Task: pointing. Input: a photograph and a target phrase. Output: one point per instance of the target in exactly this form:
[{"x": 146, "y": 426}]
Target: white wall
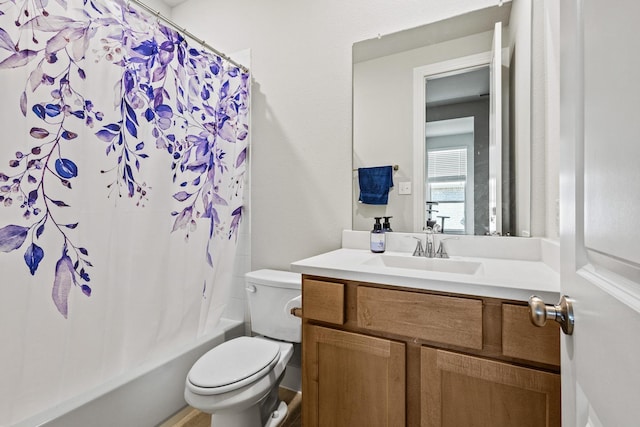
[
  {"x": 528, "y": 183},
  {"x": 545, "y": 113},
  {"x": 301, "y": 66},
  {"x": 552, "y": 119}
]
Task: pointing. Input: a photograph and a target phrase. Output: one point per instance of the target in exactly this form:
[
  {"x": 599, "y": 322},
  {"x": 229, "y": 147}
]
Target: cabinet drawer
[
  {"x": 436, "y": 318},
  {"x": 323, "y": 301},
  {"x": 522, "y": 340}
]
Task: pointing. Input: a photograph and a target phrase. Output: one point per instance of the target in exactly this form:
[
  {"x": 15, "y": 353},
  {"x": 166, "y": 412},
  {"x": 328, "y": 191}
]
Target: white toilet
[{"x": 237, "y": 381}]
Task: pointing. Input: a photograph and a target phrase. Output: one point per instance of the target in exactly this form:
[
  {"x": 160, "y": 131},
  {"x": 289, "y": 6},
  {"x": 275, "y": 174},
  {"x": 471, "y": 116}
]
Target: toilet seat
[{"x": 232, "y": 365}]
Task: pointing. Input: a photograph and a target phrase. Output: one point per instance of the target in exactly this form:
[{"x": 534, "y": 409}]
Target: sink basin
[{"x": 443, "y": 265}]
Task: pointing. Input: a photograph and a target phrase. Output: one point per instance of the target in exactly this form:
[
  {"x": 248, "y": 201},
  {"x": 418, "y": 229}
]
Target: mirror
[{"x": 425, "y": 96}]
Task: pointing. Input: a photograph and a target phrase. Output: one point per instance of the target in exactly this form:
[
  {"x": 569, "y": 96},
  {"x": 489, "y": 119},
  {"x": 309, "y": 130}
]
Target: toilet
[{"x": 237, "y": 381}]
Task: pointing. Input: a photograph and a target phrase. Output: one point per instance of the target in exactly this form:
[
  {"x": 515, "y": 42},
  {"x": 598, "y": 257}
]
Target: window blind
[{"x": 447, "y": 163}]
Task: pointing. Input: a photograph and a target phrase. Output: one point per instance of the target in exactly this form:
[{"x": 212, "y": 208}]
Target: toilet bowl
[{"x": 237, "y": 381}]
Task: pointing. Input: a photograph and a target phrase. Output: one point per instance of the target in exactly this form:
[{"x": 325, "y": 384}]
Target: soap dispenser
[
  {"x": 378, "y": 238},
  {"x": 386, "y": 225}
]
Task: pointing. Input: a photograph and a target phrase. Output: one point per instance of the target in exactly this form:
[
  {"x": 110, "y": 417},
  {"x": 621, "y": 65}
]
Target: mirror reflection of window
[{"x": 446, "y": 184}]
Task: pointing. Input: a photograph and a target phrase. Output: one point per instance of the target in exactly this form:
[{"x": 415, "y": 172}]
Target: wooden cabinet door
[
  {"x": 351, "y": 379},
  {"x": 461, "y": 390}
]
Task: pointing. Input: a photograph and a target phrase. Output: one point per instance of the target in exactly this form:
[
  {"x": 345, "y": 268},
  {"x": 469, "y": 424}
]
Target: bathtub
[{"x": 145, "y": 397}]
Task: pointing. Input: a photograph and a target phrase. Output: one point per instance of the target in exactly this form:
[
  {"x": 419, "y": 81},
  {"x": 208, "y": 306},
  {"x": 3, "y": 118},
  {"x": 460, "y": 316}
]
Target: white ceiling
[
  {"x": 460, "y": 126},
  {"x": 466, "y": 86}
]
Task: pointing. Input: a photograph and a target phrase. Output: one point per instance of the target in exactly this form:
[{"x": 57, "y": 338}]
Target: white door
[
  {"x": 495, "y": 133},
  {"x": 600, "y": 210}
]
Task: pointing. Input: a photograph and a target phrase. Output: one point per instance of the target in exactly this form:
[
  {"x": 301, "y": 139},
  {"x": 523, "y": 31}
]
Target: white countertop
[{"x": 506, "y": 278}]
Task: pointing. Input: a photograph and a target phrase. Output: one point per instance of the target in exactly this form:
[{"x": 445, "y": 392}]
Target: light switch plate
[{"x": 404, "y": 187}]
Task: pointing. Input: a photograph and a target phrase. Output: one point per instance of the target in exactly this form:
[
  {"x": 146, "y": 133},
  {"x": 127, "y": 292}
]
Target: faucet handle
[
  {"x": 441, "y": 252},
  {"x": 419, "y": 250}
]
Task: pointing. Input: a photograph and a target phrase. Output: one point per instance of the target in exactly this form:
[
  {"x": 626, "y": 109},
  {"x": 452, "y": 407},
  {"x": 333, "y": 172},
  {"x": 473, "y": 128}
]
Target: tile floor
[{"x": 190, "y": 417}]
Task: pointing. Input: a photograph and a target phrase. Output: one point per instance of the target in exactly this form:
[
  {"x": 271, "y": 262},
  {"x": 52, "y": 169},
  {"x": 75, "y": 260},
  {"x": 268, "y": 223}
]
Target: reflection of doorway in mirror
[
  {"x": 450, "y": 173},
  {"x": 457, "y": 116}
]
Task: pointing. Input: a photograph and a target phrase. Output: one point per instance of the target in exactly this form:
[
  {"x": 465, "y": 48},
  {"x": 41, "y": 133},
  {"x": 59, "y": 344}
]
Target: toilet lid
[{"x": 234, "y": 363}]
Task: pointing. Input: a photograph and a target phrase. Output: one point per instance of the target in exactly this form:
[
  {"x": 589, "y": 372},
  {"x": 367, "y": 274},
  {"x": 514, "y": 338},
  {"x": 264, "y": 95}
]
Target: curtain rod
[{"x": 184, "y": 31}]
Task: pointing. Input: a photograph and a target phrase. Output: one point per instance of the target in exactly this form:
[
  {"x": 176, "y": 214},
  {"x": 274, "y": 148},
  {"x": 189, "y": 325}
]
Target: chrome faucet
[
  {"x": 430, "y": 246},
  {"x": 428, "y": 250}
]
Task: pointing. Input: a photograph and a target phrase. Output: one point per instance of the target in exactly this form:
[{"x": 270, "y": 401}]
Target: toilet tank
[{"x": 270, "y": 294}]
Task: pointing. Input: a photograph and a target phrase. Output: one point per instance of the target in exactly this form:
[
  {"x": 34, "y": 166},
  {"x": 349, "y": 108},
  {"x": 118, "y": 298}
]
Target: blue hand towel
[{"x": 375, "y": 184}]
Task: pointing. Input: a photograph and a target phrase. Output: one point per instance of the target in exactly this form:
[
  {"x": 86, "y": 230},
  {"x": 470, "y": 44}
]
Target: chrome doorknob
[{"x": 539, "y": 312}]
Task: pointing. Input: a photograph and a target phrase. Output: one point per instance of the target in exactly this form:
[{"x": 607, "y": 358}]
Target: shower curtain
[{"x": 122, "y": 166}]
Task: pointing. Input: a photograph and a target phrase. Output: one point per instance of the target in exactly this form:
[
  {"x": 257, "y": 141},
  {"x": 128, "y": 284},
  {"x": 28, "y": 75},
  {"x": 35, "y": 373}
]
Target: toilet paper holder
[{"x": 293, "y": 307}]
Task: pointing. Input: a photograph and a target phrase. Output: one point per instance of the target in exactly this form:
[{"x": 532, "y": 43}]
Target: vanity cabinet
[
  {"x": 379, "y": 355},
  {"x": 353, "y": 379}
]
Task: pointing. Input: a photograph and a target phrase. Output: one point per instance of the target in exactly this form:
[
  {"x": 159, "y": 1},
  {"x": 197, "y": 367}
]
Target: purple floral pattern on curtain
[{"x": 172, "y": 99}]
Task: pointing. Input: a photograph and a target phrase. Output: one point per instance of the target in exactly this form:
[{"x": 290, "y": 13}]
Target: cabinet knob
[{"x": 539, "y": 312}]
